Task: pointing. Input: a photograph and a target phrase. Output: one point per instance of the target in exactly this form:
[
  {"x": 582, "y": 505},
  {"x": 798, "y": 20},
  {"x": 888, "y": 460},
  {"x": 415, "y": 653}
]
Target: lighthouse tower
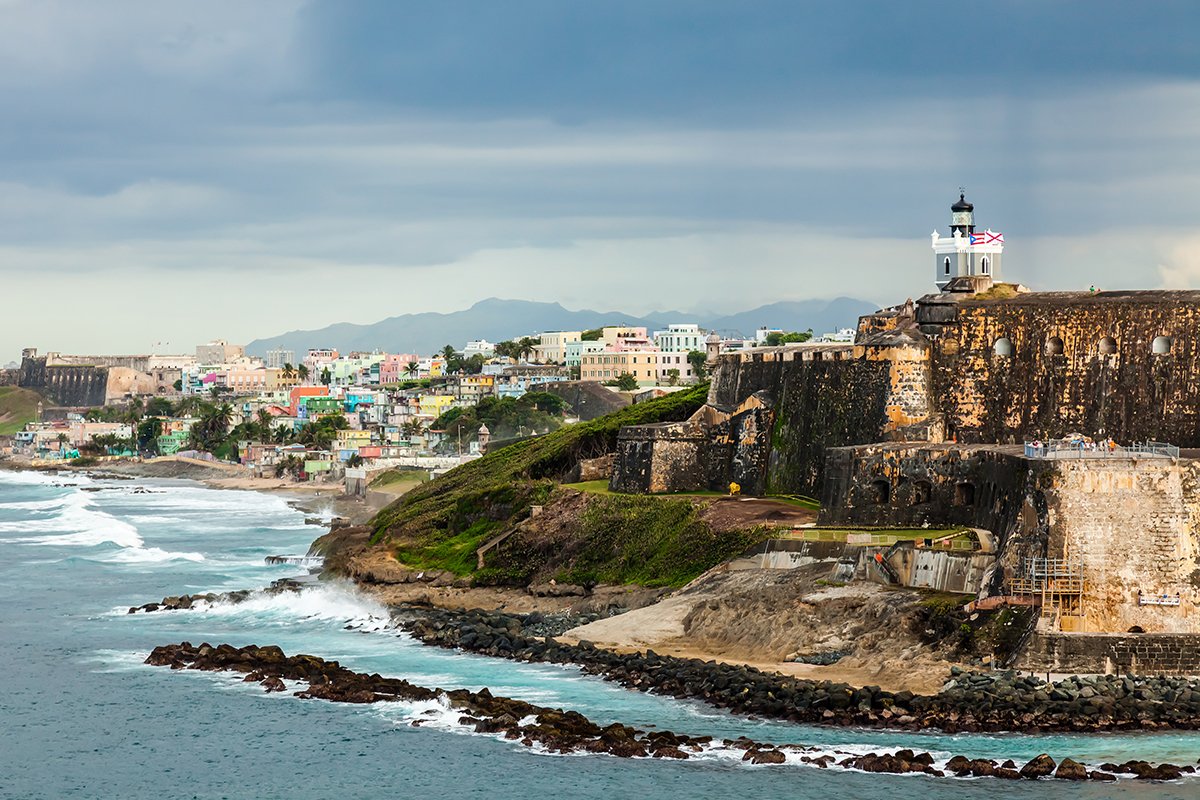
[{"x": 966, "y": 252}]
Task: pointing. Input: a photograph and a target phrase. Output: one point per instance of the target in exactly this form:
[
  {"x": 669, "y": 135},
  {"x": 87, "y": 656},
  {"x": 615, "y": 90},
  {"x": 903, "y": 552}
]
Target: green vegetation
[
  {"x": 591, "y": 336},
  {"x": 455, "y": 362},
  {"x": 439, "y": 522},
  {"x": 17, "y": 408},
  {"x": 506, "y": 417},
  {"x": 698, "y": 361},
  {"x": 648, "y": 540},
  {"x": 393, "y": 479},
  {"x": 517, "y": 349},
  {"x": 942, "y": 618},
  {"x": 625, "y": 382},
  {"x": 652, "y": 541},
  {"x": 414, "y": 383},
  {"x": 791, "y": 337}
]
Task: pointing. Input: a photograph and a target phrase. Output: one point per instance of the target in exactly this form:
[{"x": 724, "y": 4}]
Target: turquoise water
[{"x": 81, "y": 716}]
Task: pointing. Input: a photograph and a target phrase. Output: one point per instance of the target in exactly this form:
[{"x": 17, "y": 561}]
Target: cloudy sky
[{"x": 172, "y": 172}]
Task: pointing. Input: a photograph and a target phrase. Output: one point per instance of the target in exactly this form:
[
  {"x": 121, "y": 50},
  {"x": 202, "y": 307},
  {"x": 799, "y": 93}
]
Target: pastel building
[
  {"x": 551, "y": 347},
  {"x": 434, "y": 405},
  {"x": 610, "y": 364},
  {"x": 394, "y": 367},
  {"x": 680, "y": 338},
  {"x": 300, "y": 394},
  {"x": 574, "y": 351}
]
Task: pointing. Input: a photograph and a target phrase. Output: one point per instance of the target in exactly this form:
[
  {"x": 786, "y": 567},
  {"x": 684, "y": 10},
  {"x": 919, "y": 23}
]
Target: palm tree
[
  {"x": 264, "y": 425},
  {"x": 288, "y": 372},
  {"x": 302, "y": 371},
  {"x": 448, "y": 352},
  {"x": 412, "y": 369},
  {"x": 526, "y": 346}
]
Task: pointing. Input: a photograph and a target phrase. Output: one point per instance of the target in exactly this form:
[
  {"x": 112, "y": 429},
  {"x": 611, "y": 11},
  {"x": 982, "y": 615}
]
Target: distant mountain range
[{"x": 497, "y": 320}]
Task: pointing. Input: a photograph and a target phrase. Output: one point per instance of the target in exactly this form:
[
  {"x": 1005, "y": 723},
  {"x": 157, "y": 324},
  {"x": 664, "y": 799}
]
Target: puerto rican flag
[{"x": 987, "y": 237}]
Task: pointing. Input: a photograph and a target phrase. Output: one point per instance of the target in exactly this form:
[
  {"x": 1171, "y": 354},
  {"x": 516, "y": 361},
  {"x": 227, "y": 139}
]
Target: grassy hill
[
  {"x": 440, "y": 524},
  {"x": 17, "y": 407}
]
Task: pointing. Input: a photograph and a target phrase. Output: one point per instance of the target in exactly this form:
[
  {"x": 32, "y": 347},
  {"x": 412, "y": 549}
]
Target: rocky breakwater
[
  {"x": 969, "y": 702},
  {"x": 559, "y": 731},
  {"x": 186, "y": 602}
]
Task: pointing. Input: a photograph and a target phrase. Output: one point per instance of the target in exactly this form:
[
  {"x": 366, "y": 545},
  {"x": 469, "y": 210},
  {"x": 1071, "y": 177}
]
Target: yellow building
[
  {"x": 609, "y": 365},
  {"x": 434, "y": 405},
  {"x": 552, "y": 345}
]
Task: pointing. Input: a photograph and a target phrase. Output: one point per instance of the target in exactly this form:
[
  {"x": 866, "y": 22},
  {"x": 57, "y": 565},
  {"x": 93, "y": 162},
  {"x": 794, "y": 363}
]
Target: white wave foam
[
  {"x": 336, "y": 603},
  {"x": 37, "y": 478},
  {"x": 36, "y": 505},
  {"x": 84, "y": 526},
  {"x": 149, "y": 555}
]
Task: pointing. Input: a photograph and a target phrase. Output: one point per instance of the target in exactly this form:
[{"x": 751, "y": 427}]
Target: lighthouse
[{"x": 966, "y": 253}]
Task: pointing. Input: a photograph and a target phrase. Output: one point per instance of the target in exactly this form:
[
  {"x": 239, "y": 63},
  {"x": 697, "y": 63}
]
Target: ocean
[{"x": 82, "y": 717}]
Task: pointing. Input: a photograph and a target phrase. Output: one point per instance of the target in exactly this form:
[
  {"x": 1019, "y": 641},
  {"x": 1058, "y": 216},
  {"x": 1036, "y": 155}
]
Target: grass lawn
[
  {"x": 601, "y": 487},
  {"x": 17, "y": 407},
  {"x": 399, "y": 480}
]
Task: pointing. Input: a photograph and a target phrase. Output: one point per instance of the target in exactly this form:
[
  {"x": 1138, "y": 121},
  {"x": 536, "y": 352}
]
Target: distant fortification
[{"x": 79, "y": 381}]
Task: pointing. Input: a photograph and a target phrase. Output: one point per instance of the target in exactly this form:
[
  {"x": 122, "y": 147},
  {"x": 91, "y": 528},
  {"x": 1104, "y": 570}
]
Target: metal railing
[{"x": 1086, "y": 448}]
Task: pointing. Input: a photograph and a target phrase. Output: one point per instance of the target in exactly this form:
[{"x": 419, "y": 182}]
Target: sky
[{"x": 174, "y": 172}]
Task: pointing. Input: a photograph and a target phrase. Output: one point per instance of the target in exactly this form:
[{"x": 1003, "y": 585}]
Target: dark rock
[
  {"x": 1039, "y": 767},
  {"x": 1071, "y": 770}
]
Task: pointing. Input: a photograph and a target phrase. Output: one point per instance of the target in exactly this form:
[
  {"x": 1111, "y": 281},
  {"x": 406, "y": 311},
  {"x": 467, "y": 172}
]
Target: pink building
[{"x": 394, "y": 368}]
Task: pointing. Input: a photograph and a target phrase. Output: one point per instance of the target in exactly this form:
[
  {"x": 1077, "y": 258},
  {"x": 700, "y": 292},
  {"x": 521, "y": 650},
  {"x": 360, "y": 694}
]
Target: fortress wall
[
  {"x": 914, "y": 485},
  {"x": 124, "y": 381},
  {"x": 1133, "y": 654},
  {"x": 139, "y": 363},
  {"x": 1131, "y": 394},
  {"x": 661, "y": 457},
  {"x": 65, "y": 385},
  {"x": 771, "y": 414},
  {"x": 1136, "y": 526}
]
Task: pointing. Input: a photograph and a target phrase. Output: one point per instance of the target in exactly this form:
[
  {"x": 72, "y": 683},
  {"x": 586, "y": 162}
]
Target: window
[
  {"x": 983, "y": 265},
  {"x": 1161, "y": 345},
  {"x": 1003, "y": 346},
  {"x": 881, "y": 491},
  {"x": 964, "y": 494},
  {"x": 922, "y": 492},
  {"x": 1107, "y": 346},
  {"x": 946, "y": 265}
]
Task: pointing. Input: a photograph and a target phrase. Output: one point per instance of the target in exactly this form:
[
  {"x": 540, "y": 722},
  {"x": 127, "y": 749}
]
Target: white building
[
  {"x": 760, "y": 335},
  {"x": 841, "y": 335},
  {"x": 479, "y": 347},
  {"x": 966, "y": 253},
  {"x": 278, "y": 356},
  {"x": 680, "y": 338},
  {"x": 219, "y": 351}
]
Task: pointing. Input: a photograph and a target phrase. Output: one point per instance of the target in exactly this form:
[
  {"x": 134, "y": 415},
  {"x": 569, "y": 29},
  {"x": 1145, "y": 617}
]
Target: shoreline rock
[
  {"x": 969, "y": 702},
  {"x": 560, "y": 731}
]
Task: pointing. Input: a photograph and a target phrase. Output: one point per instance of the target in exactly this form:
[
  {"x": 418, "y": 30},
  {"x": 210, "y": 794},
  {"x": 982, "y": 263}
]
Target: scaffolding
[{"x": 1056, "y": 582}]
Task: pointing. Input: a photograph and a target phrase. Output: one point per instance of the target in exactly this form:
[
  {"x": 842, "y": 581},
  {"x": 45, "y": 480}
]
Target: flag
[{"x": 987, "y": 237}]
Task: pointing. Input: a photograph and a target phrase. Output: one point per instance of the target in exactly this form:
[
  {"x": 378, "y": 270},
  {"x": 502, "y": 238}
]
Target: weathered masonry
[{"x": 922, "y": 421}]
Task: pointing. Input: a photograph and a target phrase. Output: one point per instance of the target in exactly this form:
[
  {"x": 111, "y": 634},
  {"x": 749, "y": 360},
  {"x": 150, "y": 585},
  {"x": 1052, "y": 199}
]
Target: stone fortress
[{"x": 931, "y": 419}]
